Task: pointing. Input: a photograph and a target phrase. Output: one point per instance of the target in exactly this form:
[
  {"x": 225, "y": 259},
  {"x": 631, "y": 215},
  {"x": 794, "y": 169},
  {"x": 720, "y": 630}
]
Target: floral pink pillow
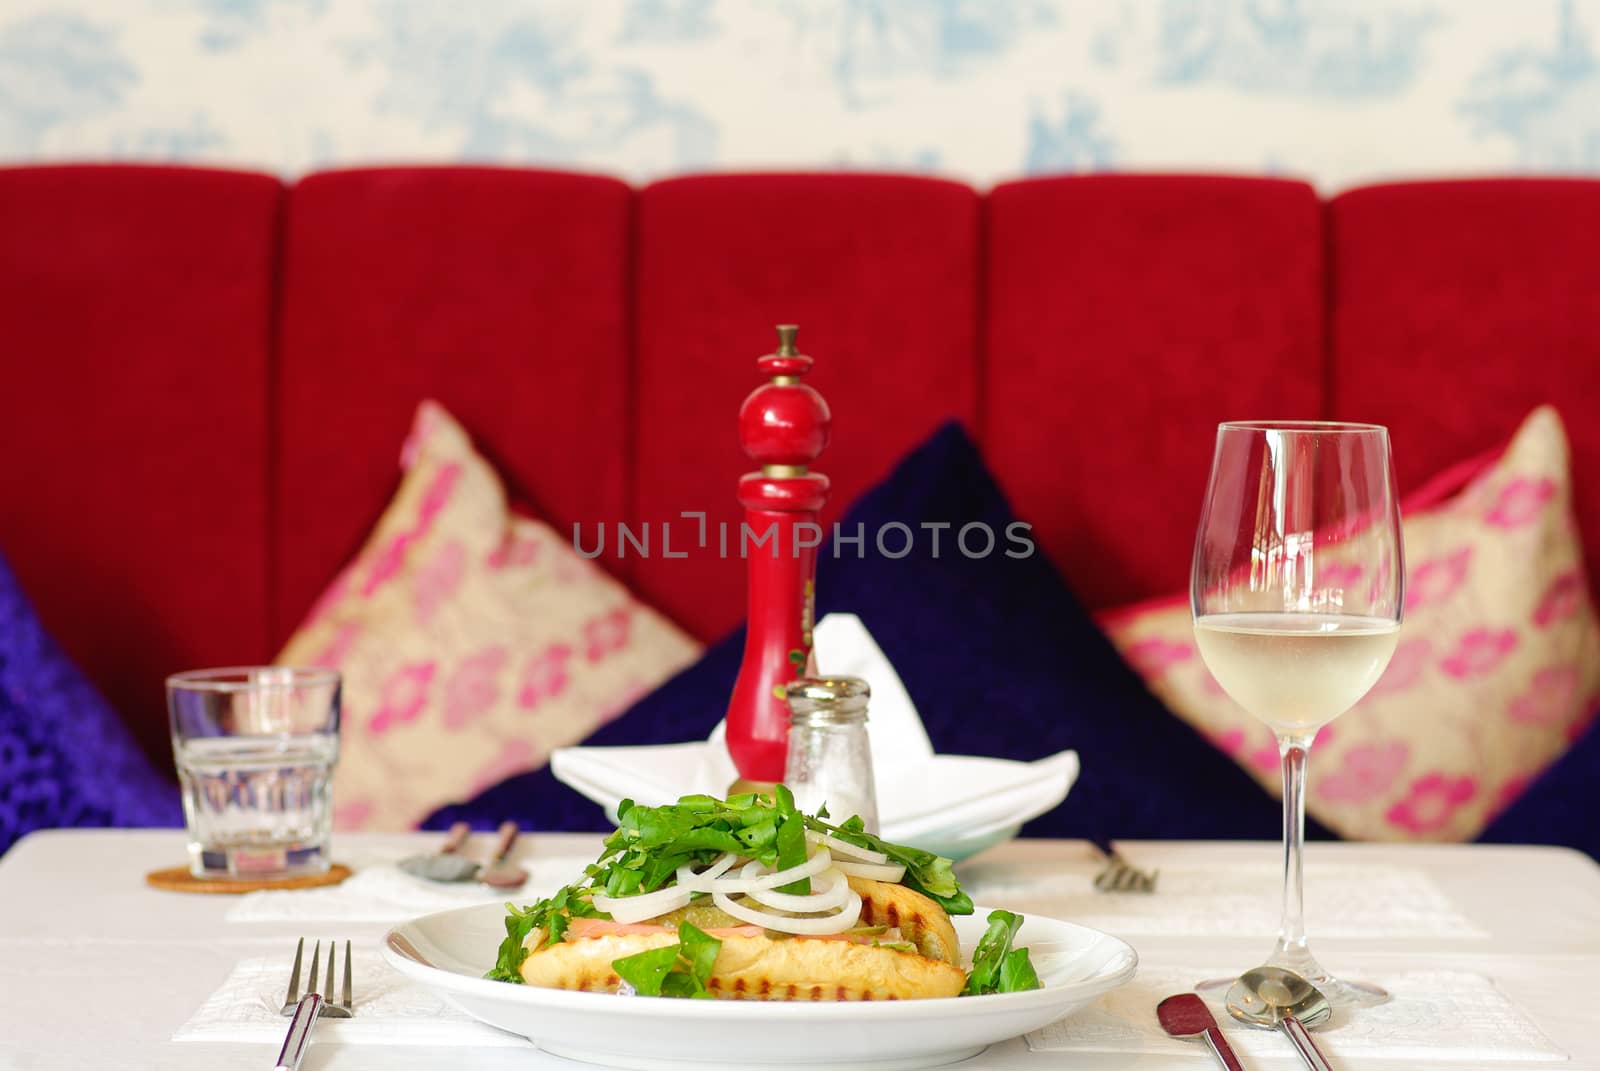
[
  {"x": 473, "y": 641},
  {"x": 1496, "y": 672}
]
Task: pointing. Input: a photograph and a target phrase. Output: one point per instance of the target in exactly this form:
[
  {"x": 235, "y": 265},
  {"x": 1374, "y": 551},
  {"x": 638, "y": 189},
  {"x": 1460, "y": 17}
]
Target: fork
[
  {"x": 1119, "y": 875},
  {"x": 313, "y": 1005}
]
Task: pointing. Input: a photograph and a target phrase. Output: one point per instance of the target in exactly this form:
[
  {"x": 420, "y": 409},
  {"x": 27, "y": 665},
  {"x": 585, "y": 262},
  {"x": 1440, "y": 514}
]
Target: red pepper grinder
[{"x": 783, "y": 426}]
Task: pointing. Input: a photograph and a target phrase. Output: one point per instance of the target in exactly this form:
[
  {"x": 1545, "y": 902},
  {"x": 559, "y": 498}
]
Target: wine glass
[{"x": 1297, "y": 591}]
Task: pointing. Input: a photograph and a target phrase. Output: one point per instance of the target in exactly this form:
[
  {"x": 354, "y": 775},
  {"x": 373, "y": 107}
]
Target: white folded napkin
[{"x": 944, "y": 800}]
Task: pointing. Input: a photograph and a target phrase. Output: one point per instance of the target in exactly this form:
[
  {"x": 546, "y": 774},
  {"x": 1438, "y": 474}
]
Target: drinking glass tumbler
[{"x": 255, "y": 748}]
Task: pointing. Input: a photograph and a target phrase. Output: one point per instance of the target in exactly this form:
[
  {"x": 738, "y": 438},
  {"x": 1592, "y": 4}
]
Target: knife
[{"x": 1186, "y": 1016}]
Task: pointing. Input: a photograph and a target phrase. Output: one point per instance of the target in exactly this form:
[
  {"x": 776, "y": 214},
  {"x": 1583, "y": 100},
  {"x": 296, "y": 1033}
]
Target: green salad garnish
[
  {"x": 550, "y": 915},
  {"x": 680, "y": 970},
  {"x": 996, "y": 966},
  {"x": 649, "y": 844}
]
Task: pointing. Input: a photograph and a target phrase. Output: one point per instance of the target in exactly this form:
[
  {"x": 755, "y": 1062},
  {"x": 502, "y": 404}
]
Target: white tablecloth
[{"x": 98, "y": 970}]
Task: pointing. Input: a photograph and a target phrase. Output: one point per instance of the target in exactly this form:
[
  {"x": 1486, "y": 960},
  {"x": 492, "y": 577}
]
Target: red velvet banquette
[{"x": 207, "y": 375}]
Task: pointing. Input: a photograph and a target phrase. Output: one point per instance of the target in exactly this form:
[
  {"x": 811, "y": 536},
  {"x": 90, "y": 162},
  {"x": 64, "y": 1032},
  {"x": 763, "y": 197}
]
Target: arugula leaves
[
  {"x": 790, "y": 840},
  {"x": 651, "y": 843},
  {"x": 1017, "y": 974},
  {"x": 996, "y": 966},
  {"x": 680, "y": 970},
  {"x": 551, "y": 915},
  {"x": 931, "y": 875}
]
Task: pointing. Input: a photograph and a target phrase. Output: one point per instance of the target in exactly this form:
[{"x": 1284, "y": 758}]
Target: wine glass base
[
  {"x": 1341, "y": 992},
  {"x": 1349, "y": 993}
]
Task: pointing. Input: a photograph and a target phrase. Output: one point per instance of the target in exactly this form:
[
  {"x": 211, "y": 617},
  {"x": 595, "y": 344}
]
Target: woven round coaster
[{"x": 178, "y": 879}]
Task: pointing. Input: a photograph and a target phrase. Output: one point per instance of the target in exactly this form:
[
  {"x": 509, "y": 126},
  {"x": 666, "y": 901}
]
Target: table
[{"x": 97, "y": 970}]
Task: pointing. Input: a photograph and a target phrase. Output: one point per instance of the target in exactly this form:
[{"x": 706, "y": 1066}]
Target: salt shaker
[{"x": 830, "y": 758}]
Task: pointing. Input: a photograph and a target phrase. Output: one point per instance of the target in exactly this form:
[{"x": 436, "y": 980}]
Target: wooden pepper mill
[{"x": 783, "y": 426}]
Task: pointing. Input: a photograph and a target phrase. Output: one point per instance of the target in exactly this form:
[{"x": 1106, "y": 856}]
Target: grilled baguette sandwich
[{"x": 916, "y": 955}]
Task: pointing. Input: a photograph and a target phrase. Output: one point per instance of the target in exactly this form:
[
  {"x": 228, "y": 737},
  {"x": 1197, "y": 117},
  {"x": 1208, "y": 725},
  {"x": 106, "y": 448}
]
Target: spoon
[
  {"x": 1274, "y": 997},
  {"x": 446, "y": 864},
  {"x": 500, "y": 873}
]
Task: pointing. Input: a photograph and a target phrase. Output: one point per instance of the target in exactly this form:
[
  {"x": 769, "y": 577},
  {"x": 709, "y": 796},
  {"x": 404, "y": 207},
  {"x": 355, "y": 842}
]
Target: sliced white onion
[
  {"x": 754, "y": 869},
  {"x": 830, "y": 890},
  {"x": 631, "y": 909},
  {"x": 784, "y": 924},
  {"x": 813, "y": 866},
  {"x": 701, "y": 882},
  {"x": 846, "y": 849},
  {"x": 891, "y": 872}
]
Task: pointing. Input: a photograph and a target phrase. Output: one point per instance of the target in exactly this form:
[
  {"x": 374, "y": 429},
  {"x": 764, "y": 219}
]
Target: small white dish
[
  {"x": 448, "y": 953},
  {"x": 980, "y": 801},
  {"x": 957, "y": 845},
  {"x": 949, "y": 792}
]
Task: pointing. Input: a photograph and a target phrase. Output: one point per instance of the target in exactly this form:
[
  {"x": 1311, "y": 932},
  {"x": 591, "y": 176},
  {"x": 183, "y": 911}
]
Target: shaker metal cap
[{"x": 828, "y": 699}]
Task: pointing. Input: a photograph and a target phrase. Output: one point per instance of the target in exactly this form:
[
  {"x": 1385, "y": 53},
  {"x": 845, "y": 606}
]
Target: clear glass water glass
[
  {"x": 255, "y": 748},
  {"x": 1297, "y": 589}
]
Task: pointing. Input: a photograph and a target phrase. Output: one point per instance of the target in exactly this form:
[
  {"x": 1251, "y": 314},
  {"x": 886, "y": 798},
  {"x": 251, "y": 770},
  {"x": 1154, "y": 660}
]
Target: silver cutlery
[
  {"x": 500, "y": 872},
  {"x": 313, "y": 1005},
  {"x": 447, "y": 864},
  {"x": 1273, "y": 997},
  {"x": 1186, "y": 1016},
  {"x": 1119, "y": 875}
]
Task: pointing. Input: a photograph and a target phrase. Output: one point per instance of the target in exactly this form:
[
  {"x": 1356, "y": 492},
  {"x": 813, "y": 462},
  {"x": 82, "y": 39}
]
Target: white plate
[{"x": 448, "y": 952}]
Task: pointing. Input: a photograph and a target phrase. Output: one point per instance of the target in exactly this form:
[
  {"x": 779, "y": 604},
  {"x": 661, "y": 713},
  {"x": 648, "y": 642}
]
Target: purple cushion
[
  {"x": 1558, "y": 808},
  {"x": 65, "y": 757}
]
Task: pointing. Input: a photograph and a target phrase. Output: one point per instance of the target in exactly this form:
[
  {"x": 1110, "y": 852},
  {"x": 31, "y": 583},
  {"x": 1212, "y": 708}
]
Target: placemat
[
  {"x": 381, "y": 892},
  {"x": 1438, "y": 1015},
  {"x": 181, "y": 879},
  {"x": 1201, "y": 900},
  {"x": 389, "y": 1010}
]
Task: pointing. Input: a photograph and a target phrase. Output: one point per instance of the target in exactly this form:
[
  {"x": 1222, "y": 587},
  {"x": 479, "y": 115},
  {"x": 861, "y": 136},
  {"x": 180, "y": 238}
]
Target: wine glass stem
[{"x": 1292, "y": 946}]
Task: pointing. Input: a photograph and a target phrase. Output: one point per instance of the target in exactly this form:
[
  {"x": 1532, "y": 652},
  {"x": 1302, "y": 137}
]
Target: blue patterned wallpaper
[{"x": 1339, "y": 91}]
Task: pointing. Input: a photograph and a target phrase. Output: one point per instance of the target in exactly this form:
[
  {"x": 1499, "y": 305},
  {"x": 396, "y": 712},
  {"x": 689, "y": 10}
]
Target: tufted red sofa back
[{"x": 207, "y": 375}]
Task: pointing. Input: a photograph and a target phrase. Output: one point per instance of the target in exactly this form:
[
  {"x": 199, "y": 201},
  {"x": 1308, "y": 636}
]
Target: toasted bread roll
[
  {"x": 585, "y": 964},
  {"x": 921, "y": 921},
  {"x": 757, "y": 968}
]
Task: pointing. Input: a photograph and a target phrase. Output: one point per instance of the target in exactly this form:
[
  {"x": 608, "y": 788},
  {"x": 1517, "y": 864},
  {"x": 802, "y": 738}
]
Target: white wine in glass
[
  {"x": 1294, "y": 671},
  {"x": 1297, "y": 590}
]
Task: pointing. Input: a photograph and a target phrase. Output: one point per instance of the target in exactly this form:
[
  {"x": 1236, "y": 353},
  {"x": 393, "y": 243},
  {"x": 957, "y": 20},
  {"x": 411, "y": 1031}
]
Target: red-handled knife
[{"x": 1186, "y": 1016}]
